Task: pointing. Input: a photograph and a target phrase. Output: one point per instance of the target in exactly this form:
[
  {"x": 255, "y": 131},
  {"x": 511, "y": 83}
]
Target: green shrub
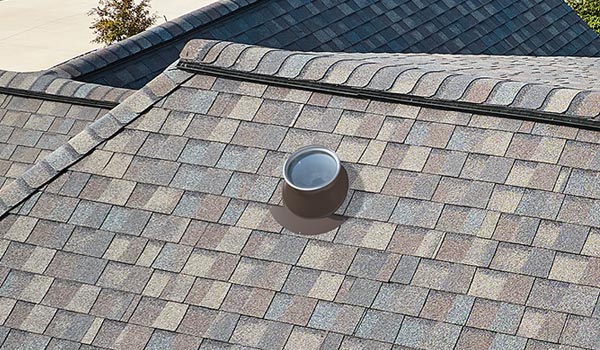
[{"x": 116, "y": 20}]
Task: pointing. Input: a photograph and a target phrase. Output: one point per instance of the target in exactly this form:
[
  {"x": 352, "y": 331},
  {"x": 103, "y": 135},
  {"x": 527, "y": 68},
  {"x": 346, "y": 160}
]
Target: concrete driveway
[{"x": 38, "y": 34}]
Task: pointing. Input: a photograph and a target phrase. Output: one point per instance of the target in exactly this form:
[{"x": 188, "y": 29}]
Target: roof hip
[{"x": 14, "y": 193}]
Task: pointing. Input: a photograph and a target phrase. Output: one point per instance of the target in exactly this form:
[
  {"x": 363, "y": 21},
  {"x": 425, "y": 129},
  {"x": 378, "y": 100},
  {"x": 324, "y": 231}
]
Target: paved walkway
[{"x": 38, "y": 34}]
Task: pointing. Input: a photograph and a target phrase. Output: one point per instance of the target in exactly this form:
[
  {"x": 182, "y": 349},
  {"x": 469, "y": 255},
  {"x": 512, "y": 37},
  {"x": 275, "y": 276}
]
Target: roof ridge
[
  {"x": 89, "y": 138},
  {"x": 49, "y": 83},
  {"x": 148, "y": 39},
  {"x": 420, "y": 77}
]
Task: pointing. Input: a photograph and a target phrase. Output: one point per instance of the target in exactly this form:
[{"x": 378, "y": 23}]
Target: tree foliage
[
  {"x": 589, "y": 11},
  {"x": 116, "y": 20}
]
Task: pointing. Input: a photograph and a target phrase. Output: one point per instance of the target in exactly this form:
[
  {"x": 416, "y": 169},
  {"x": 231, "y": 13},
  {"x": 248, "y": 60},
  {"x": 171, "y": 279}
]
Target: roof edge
[
  {"x": 391, "y": 75},
  {"x": 148, "y": 39},
  {"x": 104, "y": 128}
]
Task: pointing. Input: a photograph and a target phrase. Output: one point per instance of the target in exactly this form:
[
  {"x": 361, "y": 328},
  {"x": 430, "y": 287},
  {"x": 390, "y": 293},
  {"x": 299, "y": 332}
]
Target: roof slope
[
  {"x": 492, "y": 27},
  {"x": 465, "y": 230},
  {"x": 30, "y": 128}
]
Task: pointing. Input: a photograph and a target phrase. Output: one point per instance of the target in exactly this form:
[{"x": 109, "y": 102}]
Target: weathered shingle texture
[
  {"x": 39, "y": 113},
  {"x": 31, "y": 128},
  {"x": 491, "y": 27}
]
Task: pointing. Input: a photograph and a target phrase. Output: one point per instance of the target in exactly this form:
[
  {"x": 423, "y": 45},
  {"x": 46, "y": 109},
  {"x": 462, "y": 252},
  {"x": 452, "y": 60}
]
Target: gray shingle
[
  {"x": 89, "y": 214},
  {"x": 357, "y": 291},
  {"x": 208, "y": 323},
  {"x": 474, "y": 140},
  {"x": 399, "y": 298},
  {"x": 201, "y": 152},
  {"x": 151, "y": 170},
  {"x": 523, "y": 259},
  {"x": 463, "y": 192},
  {"x": 190, "y": 100},
  {"x": 540, "y": 204},
  {"x": 273, "y": 334},
  {"x": 76, "y": 267},
  {"x": 247, "y": 159},
  {"x": 416, "y": 332},
  {"x": 162, "y": 146},
  {"x": 17, "y": 338},
  {"x": 373, "y": 264},
  {"x": 336, "y": 317},
  {"x": 371, "y": 206},
  {"x": 165, "y": 227},
  {"x": 125, "y": 220},
  {"x": 582, "y": 331},
  {"x": 563, "y": 297},
  {"x": 69, "y": 325},
  {"x": 128, "y": 278},
  {"x": 416, "y": 213},
  {"x": 583, "y": 183},
  {"x": 312, "y": 283},
  {"x": 486, "y": 168},
  {"x": 379, "y": 325},
  {"x": 89, "y": 241},
  {"x": 202, "y": 179},
  {"x": 495, "y": 316},
  {"x": 259, "y": 135},
  {"x": 251, "y": 187}
]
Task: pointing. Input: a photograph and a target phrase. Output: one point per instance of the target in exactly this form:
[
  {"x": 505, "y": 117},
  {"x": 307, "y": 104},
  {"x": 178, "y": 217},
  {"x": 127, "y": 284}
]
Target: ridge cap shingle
[
  {"x": 405, "y": 74},
  {"x": 51, "y": 83}
]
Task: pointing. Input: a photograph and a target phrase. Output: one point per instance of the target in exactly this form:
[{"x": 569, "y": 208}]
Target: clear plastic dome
[{"x": 311, "y": 168}]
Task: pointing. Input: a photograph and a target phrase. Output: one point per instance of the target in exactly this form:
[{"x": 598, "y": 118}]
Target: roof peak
[
  {"x": 52, "y": 86},
  {"x": 149, "y": 39}
]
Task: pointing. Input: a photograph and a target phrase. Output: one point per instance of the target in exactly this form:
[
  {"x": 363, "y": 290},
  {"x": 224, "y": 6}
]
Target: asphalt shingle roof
[
  {"x": 490, "y": 27},
  {"x": 151, "y": 228},
  {"x": 31, "y": 128}
]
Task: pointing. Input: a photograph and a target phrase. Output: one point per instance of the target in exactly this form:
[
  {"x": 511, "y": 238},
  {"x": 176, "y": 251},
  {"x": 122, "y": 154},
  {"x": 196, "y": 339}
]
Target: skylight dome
[{"x": 311, "y": 168}]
